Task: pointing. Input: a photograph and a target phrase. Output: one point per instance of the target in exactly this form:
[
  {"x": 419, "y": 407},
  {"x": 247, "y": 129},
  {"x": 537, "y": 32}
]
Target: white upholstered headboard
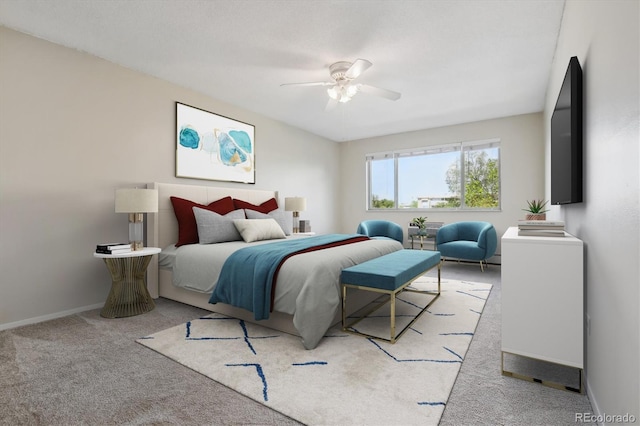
[{"x": 162, "y": 227}]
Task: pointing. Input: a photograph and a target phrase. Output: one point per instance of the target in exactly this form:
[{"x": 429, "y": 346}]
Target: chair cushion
[
  {"x": 392, "y": 270},
  {"x": 470, "y": 231},
  {"x": 462, "y": 250}
]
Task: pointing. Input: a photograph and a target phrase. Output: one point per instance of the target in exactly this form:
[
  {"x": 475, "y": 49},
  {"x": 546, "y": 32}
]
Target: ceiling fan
[{"x": 343, "y": 87}]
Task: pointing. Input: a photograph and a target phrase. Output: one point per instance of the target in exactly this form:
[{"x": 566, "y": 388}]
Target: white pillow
[
  {"x": 284, "y": 219},
  {"x": 258, "y": 229}
]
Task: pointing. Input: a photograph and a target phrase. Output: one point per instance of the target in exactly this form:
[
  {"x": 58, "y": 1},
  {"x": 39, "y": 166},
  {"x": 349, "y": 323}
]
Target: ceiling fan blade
[
  {"x": 384, "y": 93},
  {"x": 358, "y": 67},
  {"x": 330, "y": 105},
  {"x": 315, "y": 83}
]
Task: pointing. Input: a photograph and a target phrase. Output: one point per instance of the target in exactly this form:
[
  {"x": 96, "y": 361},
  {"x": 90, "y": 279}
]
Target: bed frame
[{"x": 162, "y": 231}]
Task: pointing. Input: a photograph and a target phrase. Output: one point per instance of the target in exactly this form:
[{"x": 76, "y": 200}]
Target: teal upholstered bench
[{"x": 389, "y": 274}]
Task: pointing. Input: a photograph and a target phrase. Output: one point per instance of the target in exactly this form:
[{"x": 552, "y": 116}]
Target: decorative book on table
[
  {"x": 541, "y": 228},
  {"x": 305, "y": 226},
  {"x": 113, "y": 248}
]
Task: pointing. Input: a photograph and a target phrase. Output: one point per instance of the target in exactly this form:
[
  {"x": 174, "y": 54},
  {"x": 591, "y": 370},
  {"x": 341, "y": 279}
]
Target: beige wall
[
  {"x": 73, "y": 128},
  {"x": 522, "y": 170},
  {"x": 605, "y": 36}
]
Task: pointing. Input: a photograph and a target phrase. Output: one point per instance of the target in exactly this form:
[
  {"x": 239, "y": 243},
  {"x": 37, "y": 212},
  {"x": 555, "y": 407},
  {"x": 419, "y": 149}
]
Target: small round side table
[
  {"x": 129, "y": 294},
  {"x": 429, "y": 238}
]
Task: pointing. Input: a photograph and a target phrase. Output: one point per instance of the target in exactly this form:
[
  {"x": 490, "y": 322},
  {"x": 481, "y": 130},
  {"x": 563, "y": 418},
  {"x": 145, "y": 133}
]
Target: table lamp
[
  {"x": 136, "y": 202},
  {"x": 295, "y": 205}
]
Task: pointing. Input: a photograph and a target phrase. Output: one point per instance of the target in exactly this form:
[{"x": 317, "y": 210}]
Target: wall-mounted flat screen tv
[{"x": 566, "y": 139}]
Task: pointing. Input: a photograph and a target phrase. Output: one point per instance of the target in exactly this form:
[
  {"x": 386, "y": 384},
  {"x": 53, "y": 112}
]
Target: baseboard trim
[
  {"x": 43, "y": 318},
  {"x": 592, "y": 399}
]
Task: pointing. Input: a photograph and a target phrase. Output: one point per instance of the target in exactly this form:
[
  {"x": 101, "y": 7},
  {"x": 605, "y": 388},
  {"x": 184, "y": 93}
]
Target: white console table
[{"x": 542, "y": 300}]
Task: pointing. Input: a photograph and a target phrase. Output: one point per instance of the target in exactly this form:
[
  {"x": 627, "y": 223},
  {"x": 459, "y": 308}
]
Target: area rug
[{"x": 347, "y": 379}]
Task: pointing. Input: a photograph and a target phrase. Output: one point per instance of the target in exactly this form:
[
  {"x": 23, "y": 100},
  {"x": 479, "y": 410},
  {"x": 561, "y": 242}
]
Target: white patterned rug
[{"x": 347, "y": 379}]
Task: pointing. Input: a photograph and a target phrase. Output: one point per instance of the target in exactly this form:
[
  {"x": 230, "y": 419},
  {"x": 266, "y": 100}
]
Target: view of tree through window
[
  {"x": 433, "y": 177},
  {"x": 383, "y": 186}
]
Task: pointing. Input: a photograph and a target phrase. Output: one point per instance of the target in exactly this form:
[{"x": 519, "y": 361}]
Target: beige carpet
[{"x": 347, "y": 379}]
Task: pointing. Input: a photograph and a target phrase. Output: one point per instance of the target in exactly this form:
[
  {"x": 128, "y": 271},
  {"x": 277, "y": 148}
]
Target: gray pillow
[
  {"x": 284, "y": 219},
  {"x": 215, "y": 228}
]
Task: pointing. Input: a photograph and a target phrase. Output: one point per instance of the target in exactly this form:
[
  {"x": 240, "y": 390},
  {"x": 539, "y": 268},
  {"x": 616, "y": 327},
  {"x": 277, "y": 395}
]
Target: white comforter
[{"x": 307, "y": 287}]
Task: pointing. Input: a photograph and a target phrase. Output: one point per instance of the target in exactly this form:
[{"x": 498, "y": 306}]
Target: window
[{"x": 460, "y": 176}]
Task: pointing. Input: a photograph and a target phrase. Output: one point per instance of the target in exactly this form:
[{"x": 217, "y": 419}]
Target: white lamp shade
[
  {"x": 295, "y": 204},
  {"x": 136, "y": 200}
]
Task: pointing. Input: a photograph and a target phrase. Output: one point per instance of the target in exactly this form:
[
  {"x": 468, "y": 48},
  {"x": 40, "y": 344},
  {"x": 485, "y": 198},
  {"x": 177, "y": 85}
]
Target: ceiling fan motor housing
[{"x": 339, "y": 70}]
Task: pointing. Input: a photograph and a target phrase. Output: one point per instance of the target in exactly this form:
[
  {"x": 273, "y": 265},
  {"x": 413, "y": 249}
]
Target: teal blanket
[{"x": 247, "y": 277}]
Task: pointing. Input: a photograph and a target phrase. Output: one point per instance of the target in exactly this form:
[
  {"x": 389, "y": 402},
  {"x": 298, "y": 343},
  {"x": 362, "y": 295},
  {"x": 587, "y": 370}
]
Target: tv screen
[{"x": 566, "y": 139}]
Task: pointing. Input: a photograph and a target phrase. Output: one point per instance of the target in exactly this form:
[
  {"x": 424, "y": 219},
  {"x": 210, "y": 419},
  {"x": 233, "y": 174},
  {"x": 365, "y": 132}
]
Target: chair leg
[{"x": 481, "y": 267}]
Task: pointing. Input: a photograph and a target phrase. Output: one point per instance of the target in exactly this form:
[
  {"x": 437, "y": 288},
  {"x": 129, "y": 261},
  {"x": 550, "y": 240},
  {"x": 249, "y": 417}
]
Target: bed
[{"x": 307, "y": 294}]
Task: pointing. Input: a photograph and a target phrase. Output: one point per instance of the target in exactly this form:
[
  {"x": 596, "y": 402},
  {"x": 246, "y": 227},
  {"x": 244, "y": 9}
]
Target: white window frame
[{"x": 460, "y": 147}]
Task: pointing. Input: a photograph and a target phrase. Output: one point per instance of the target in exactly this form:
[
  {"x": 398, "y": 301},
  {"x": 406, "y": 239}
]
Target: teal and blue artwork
[
  {"x": 230, "y": 152},
  {"x": 242, "y": 139},
  {"x": 209, "y": 143},
  {"x": 189, "y": 138},
  {"x": 213, "y": 147}
]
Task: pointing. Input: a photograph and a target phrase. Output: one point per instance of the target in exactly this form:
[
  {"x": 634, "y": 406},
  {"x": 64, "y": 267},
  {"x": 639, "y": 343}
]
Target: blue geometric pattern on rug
[
  {"x": 347, "y": 379},
  {"x": 245, "y": 337},
  {"x": 260, "y": 373},
  {"x": 375, "y": 342}
]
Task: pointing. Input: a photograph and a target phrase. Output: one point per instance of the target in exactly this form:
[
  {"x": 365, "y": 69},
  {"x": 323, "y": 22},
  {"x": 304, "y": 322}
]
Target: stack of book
[
  {"x": 113, "y": 248},
  {"x": 541, "y": 228},
  {"x": 305, "y": 226}
]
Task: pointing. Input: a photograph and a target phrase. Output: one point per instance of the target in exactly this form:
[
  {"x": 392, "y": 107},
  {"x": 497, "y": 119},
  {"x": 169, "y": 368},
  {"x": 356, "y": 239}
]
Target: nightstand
[
  {"x": 129, "y": 294},
  {"x": 304, "y": 233}
]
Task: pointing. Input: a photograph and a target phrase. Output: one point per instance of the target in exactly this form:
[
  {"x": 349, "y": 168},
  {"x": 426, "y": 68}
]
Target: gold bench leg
[
  {"x": 393, "y": 317},
  {"x": 392, "y": 300}
]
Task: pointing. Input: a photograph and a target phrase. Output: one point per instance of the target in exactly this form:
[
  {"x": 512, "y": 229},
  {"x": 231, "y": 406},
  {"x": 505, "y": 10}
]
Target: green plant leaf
[{"x": 536, "y": 206}]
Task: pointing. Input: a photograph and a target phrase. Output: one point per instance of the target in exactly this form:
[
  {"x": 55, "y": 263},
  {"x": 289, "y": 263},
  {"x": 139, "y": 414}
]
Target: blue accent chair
[
  {"x": 381, "y": 228},
  {"x": 472, "y": 240}
]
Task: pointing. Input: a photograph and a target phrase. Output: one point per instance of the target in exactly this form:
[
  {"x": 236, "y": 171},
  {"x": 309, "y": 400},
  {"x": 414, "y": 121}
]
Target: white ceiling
[{"x": 454, "y": 61}]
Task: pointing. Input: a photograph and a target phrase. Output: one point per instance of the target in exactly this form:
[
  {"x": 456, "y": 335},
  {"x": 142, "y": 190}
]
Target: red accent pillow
[
  {"x": 187, "y": 228},
  {"x": 266, "y": 207}
]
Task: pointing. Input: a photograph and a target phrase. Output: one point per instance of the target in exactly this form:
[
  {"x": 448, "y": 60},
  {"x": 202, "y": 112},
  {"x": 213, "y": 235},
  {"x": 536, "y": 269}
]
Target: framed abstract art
[{"x": 213, "y": 147}]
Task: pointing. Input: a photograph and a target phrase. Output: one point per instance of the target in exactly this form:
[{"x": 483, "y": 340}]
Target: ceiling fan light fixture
[
  {"x": 344, "y": 98},
  {"x": 342, "y": 94},
  {"x": 333, "y": 93}
]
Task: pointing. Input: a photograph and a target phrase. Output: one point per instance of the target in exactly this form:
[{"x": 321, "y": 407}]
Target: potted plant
[
  {"x": 536, "y": 210},
  {"x": 421, "y": 223}
]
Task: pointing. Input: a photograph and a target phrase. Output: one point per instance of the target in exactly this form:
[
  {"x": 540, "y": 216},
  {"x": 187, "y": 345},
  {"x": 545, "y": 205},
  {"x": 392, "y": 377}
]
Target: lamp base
[
  {"x": 296, "y": 222},
  {"x": 136, "y": 230}
]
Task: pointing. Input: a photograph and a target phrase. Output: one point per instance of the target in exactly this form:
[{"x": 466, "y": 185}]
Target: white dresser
[{"x": 543, "y": 298}]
